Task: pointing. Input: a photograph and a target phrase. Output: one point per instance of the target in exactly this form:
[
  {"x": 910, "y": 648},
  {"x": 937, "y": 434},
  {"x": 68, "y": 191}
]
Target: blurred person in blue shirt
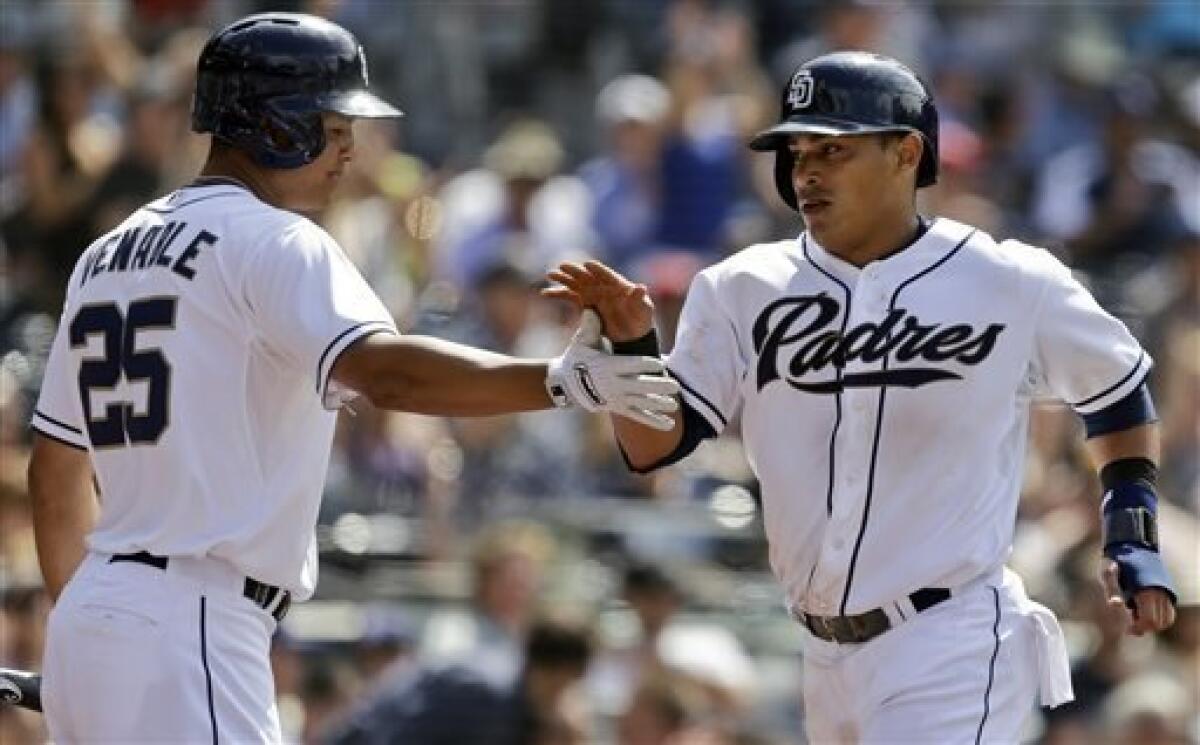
[
  {"x": 625, "y": 181},
  {"x": 519, "y": 201},
  {"x": 456, "y": 705}
]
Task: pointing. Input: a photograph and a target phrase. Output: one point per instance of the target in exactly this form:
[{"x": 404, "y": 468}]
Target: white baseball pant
[
  {"x": 967, "y": 670},
  {"x": 137, "y": 654}
]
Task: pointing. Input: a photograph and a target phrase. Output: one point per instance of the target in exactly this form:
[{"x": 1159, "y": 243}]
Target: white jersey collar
[
  {"x": 942, "y": 237},
  {"x": 203, "y": 181}
]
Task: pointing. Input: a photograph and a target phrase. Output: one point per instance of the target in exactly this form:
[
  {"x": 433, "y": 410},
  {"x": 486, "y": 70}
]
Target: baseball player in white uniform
[
  {"x": 204, "y": 347},
  {"x": 883, "y": 366}
]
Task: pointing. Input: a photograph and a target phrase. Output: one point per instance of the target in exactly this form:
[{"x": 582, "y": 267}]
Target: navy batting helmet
[
  {"x": 262, "y": 83},
  {"x": 851, "y": 93}
]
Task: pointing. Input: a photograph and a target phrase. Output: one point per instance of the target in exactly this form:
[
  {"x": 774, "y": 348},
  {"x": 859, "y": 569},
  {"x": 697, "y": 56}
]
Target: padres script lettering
[{"x": 803, "y": 324}]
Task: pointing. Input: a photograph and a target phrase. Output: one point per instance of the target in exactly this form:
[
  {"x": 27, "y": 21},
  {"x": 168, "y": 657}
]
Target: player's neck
[
  {"x": 889, "y": 237},
  {"x": 227, "y": 165}
]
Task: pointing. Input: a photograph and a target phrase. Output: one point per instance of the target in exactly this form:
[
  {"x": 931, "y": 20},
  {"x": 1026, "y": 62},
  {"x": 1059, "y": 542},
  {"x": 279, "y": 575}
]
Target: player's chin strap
[{"x": 1130, "y": 526}]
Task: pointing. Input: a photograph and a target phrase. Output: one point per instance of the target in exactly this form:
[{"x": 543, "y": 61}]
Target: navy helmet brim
[
  {"x": 358, "y": 104},
  {"x": 776, "y": 137}
]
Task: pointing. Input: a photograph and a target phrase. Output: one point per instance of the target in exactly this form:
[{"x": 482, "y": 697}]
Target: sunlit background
[{"x": 539, "y": 130}]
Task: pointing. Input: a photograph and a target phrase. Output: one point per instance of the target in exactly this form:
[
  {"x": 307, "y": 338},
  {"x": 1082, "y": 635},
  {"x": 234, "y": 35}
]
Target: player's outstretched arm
[
  {"x": 65, "y": 508},
  {"x": 1133, "y": 574},
  {"x": 628, "y": 315},
  {"x": 431, "y": 376}
]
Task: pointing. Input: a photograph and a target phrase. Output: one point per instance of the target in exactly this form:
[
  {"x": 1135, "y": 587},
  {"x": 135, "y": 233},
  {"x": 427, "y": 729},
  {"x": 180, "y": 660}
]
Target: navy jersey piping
[
  {"x": 1136, "y": 366},
  {"x": 56, "y": 438},
  {"x": 181, "y": 205},
  {"x": 862, "y": 528},
  {"x": 212, "y": 712},
  {"x": 987, "y": 693},
  {"x": 64, "y": 425},
  {"x": 699, "y": 396},
  {"x": 840, "y": 367},
  {"x": 367, "y": 328}
]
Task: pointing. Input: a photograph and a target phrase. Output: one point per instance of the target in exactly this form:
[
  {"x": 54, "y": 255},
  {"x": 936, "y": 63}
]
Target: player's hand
[
  {"x": 1152, "y": 608},
  {"x": 624, "y": 306},
  {"x": 596, "y": 380}
]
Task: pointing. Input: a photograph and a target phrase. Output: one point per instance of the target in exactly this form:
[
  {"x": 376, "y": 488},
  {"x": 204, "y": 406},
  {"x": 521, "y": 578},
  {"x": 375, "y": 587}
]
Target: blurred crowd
[{"x": 506, "y": 579}]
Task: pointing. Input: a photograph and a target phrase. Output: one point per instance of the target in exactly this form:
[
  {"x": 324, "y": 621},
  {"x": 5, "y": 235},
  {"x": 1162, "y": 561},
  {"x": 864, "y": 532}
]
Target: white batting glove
[{"x": 588, "y": 376}]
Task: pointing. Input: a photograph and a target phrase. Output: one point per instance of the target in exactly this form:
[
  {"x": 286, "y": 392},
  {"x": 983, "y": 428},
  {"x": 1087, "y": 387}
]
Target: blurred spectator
[
  {"x": 504, "y": 456},
  {"x": 1149, "y": 710},
  {"x": 890, "y": 28},
  {"x": 456, "y": 705},
  {"x": 716, "y": 90},
  {"x": 507, "y": 568},
  {"x": 155, "y": 120},
  {"x": 385, "y": 218},
  {"x": 387, "y": 643},
  {"x": 668, "y": 277},
  {"x": 625, "y": 182},
  {"x": 518, "y": 207},
  {"x": 1159, "y": 28},
  {"x": 704, "y": 656},
  {"x": 658, "y": 713},
  {"x": 70, "y": 149},
  {"x": 1174, "y": 335},
  {"x": 18, "y": 110},
  {"x": 1121, "y": 200},
  {"x": 287, "y": 670}
]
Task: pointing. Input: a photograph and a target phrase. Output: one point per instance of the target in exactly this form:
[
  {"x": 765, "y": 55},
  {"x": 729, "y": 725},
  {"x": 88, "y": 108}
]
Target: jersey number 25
[{"x": 120, "y": 424}]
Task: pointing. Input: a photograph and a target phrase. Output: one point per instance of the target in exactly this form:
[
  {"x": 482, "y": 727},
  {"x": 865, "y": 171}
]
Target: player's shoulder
[
  {"x": 228, "y": 206},
  {"x": 1005, "y": 254},
  {"x": 256, "y": 226},
  {"x": 757, "y": 260},
  {"x": 1030, "y": 260}
]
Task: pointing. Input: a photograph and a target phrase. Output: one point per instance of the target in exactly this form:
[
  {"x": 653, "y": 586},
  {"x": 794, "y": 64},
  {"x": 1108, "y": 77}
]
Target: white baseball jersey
[
  {"x": 192, "y": 360},
  {"x": 885, "y": 409}
]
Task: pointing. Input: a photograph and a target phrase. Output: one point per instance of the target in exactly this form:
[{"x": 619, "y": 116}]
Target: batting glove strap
[
  {"x": 643, "y": 346},
  {"x": 1139, "y": 568},
  {"x": 1129, "y": 523},
  {"x": 1128, "y": 512}
]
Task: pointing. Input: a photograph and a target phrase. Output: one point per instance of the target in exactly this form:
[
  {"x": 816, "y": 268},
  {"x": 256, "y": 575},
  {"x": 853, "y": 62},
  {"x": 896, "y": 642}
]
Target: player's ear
[{"x": 908, "y": 151}]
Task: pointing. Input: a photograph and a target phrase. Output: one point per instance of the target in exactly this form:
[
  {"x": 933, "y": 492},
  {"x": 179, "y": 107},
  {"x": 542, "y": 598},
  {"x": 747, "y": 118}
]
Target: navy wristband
[
  {"x": 643, "y": 346},
  {"x": 1128, "y": 469}
]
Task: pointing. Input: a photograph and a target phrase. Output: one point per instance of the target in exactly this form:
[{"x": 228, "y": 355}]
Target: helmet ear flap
[
  {"x": 785, "y": 160},
  {"x": 927, "y": 168}
]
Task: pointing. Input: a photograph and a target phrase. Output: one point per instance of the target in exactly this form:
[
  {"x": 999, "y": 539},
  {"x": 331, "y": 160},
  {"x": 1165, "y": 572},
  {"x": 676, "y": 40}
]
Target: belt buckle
[
  {"x": 824, "y": 627},
  {"x": 845, "y": 631},
  {"x": 857, "y": 628}
]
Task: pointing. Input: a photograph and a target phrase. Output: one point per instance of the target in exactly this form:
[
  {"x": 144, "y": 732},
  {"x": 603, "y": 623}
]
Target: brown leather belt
[
  {"x": 866, "y": 626},
  {"x": 259, "y": 593}
]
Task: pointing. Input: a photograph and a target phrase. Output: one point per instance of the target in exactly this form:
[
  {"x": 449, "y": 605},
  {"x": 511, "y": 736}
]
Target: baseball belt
[
  {"x": 866, "y": 626},
  {"x": 259, "y": 593}
]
